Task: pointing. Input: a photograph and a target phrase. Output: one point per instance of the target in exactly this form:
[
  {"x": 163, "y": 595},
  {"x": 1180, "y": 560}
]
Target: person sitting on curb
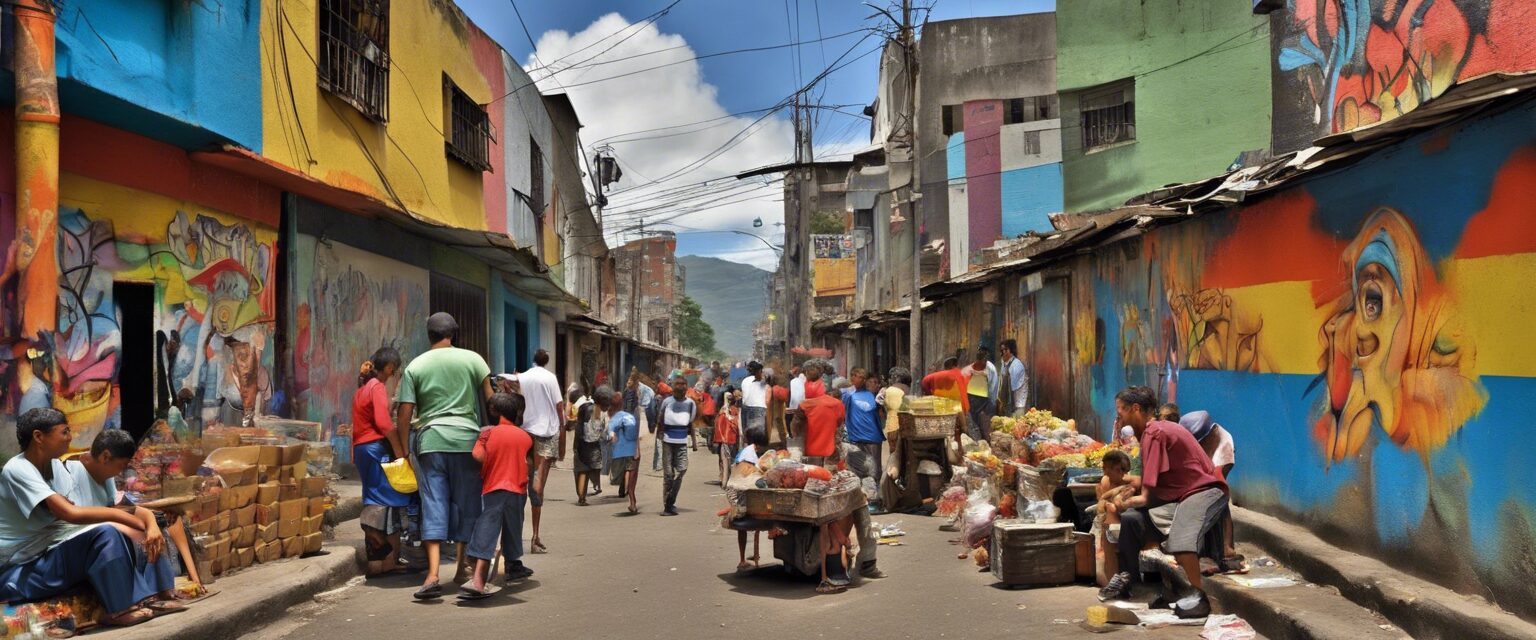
[
  {"x": 1177, "y": 475},
  {"x": 48, "y": 544}
]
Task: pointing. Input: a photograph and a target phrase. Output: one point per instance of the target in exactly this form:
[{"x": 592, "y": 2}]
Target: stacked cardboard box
[{"x": 267, "y": 508}]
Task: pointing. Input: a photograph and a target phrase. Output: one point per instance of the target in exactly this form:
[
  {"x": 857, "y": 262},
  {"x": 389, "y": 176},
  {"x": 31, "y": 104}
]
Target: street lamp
[{"x": 776, "y": 248}]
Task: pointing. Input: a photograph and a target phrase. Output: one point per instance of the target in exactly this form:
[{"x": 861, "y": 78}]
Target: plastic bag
[
  {"x": 1227, "y": 627},
  {"x": 400, "y": 475},
  {"x": 979, "y": 515},
  {"x": 1041, "y": 511}
]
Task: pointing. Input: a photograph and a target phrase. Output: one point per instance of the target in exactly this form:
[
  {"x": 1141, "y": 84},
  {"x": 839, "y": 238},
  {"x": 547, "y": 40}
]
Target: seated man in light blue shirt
[{"x": 42, "y": 551}]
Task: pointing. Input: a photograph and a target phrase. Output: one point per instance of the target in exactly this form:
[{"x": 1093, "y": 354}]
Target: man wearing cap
[
  {"x": 441, "y": 393},
  {"x": 1218, "y": 444}
]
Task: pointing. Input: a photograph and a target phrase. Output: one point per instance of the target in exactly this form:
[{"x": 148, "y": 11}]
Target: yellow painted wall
[{"x": 306, "y": 128}]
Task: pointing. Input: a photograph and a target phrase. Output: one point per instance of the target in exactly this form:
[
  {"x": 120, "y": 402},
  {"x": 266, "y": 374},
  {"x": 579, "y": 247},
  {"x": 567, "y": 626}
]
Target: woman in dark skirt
[
  {"x": 375, "y": 442},
  {"x": 589, "y": 428}
]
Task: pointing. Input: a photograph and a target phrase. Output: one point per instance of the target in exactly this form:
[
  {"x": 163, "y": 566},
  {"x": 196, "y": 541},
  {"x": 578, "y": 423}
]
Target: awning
[{"x": 865, "y": 185}]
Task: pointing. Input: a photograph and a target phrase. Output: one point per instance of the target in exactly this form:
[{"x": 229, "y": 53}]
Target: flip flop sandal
[
  {"x": 829, "y": 588},
  {"x": 430, "y": 592},
  {"x": 131, "y": 618},
  {"x": 471, "y": 593},
  {"x": 538, "y": 549}
]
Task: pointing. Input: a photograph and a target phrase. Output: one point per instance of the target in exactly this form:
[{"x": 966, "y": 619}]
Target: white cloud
[{"x": 666, "y": 97}]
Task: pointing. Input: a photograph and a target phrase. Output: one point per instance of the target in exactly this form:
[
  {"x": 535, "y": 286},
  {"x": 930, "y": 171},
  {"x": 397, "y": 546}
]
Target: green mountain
[{"x": 732, "y": 296}]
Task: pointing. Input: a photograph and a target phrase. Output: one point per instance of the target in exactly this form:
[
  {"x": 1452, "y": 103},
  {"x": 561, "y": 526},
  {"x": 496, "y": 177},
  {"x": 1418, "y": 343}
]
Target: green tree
[
  {"x": 693, "y": 333},
  {"x": 826, "y": 222}
]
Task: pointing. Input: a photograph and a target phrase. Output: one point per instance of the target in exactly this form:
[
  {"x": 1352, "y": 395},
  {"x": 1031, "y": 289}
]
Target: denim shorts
[{"x": 450, "y": 496}]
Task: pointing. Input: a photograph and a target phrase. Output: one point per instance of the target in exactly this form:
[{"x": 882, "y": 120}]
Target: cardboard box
[
  {"x": 242, "y": 496},
  {"x": 173, "y": 487},
  {"x": 235, "y": 465},
  {"x": 245, "y": 536},
  {"x": 244, "y": 516},
  {"x": 267, "y": 493},
  {"x": 313, "y": 541},
  {"x": 266, "y": 532},
  {"x": 311, "y": 524},
  {"x": 316, "y": 507},
  {"x": 259, "y": 550},
  {"x": 202, "y": 527},
  {"x": 314, "y": 486},
  {"x": 292, "y": 509},
  {"x": 207, "y": 507},
  {"x": 221, "y": 522},
  {"x": 269, "y": 456},
  {"x": 289, "y": 490},
  {"x": 292, "y": 454},
  {"x": 267, "y": 513},
  {"x": 216, "y": 566},
  {"x": 226, "y": 500},
  {"x": 293, "y": 547},
  {"x": 219, "y": 547},
  {"x": 290, "y": 527}
]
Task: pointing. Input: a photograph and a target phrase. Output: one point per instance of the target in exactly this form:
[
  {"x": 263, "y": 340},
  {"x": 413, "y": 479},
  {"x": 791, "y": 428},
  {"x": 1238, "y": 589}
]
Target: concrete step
[
  {"x": 1301, "y": 611},
  {"x": 1416, "y": 606}
]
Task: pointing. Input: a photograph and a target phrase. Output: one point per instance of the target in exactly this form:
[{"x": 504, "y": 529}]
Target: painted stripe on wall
[{"x": 1029, "y": 196}]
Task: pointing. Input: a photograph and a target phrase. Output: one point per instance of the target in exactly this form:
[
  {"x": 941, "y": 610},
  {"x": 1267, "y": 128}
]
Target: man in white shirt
[
  {"x": 1015, "y": 400},
  {"x": 542, "y": 418},
  {"x": 754, "y": 407},
  {"x": 796, "y": 387}
]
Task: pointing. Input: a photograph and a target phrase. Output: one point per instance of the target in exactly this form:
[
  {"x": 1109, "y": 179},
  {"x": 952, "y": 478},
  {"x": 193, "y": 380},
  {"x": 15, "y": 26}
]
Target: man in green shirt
[{"x": 441, "y": 393}]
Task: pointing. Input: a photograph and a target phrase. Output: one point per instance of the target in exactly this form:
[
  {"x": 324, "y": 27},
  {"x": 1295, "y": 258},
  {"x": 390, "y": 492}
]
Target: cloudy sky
[{"x": 683, "y": 127}]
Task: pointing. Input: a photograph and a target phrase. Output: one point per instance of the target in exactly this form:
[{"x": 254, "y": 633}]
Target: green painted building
[{"x": 1157, "y": 92}]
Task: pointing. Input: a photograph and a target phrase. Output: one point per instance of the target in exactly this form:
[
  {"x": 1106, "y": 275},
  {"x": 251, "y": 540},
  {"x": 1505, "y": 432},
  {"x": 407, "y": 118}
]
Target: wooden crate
[
  {"x": 1028, "y": 554},
  {"x": 920, "y": 427},
  {"x": 799, "y": 506}
]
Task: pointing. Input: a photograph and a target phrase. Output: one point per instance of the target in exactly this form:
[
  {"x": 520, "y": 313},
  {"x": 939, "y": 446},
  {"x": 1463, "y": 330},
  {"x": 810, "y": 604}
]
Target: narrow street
[{"x": 611, "y": 575}]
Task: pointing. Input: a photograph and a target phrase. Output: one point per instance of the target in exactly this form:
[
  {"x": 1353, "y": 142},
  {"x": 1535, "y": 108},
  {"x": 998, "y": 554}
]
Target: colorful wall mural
[
  {"x": 1344, "y": 64},
  {"x": 1363, "y": 337},
  {"x": 349, "y": 302},
  {"x": 212, "y": 311}
]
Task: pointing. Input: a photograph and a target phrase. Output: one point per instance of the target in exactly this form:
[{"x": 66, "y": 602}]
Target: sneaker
[
  {"x": 1119, "y": 587},
  {"x": 519, "y": 572},
  {"x": 669, "y": 511},
  {"x": 871, "y": 572},
  {"x": 1195, "y": 606}
]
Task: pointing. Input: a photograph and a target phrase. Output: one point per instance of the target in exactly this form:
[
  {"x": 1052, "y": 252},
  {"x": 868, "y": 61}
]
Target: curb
[
  {"x": 1418, "y": 607},
  {"x": 250, "y": 600},
  {"x": 1297, "y": 613}
]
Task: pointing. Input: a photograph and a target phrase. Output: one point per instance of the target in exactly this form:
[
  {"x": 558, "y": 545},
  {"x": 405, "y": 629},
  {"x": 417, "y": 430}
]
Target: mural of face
[{"x": 1394, "y": 356}]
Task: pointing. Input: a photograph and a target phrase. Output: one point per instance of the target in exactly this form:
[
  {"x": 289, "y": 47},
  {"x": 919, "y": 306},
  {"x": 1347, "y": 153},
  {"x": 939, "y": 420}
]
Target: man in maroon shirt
[{"x": 1176, "y": 474}]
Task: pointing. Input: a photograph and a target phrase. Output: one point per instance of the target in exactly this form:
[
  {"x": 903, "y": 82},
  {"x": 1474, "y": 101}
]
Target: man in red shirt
[
  {"x": 1176, "y": 475},
  {"x": 819, "y": 417},
  {"x": 502, "y": 452}
]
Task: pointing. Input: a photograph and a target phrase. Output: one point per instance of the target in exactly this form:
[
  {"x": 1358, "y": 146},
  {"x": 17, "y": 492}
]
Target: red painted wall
[{"x": 983, "y": 171}]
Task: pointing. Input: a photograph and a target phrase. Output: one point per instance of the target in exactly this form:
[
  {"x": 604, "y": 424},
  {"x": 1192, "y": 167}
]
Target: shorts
[
  {"x": 1194, "y": 518},
  {"x": 546, "y": 447},
  {"x": 450, "y": 496},
  {"x": 621, "y": 466},
  {"x": 500, "y": 521}
]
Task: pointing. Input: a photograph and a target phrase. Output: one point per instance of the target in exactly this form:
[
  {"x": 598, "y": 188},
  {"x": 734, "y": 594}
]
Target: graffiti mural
[
  {"x": 1344, "y": 64},
  {"x": 1363, "y": 336},
  {"x": 212, "y": 316},
  {"x": 352, "y": 303}
]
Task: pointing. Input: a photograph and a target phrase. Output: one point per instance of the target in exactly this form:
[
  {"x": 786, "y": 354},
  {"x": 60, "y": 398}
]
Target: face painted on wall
[{"x": 1394, "y": 356}]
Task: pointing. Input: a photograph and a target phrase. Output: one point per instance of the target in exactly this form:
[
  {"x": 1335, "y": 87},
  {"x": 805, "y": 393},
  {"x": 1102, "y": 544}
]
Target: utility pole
[{"x": 909, "y": 63}]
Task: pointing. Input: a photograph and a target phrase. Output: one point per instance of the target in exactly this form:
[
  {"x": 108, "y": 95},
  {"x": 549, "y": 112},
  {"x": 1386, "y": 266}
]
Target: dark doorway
[
  {"x": 138, "y": 365},
  {"x": 560, "y": 344}
]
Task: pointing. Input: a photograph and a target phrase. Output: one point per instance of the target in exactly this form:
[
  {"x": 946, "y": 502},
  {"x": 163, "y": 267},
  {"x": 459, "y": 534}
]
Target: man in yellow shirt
[{"x": 981, "y": 387}]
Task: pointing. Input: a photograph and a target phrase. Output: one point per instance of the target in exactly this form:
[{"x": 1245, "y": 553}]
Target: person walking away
[
  {"x": 375, "y": 441},
  {"x": 93, "y": 475},
  {"x": 678, "y": 413},
  {"x": 1176, "y": 474},
  {"x": 754, "y": 407},
  {"x": 541, "y": 419},
  {"x": 949, "y": 382},
  {"x": 819, "y": 419},
  {"x": 588, "y": 427},
  {"x": 706, "y": 421},
  {"x": 624, "y": 433},
  {"x": 864, "y": 428},
  {"x": 440, "y": 393},
  {"x": 796, "y": 387},
  {"x": 1015, "y": 381},
  {"x": 865, "y": 467},
  {"x": 47, "y": 545},
  {"x": 779, "y": 414},
  {"x": 981, "y": 387},
  {"x": 727, "y": 433},
  {"x": 503, "y": 453}
]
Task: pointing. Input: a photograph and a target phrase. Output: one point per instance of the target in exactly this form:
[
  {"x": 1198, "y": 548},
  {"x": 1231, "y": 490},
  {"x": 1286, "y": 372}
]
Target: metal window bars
[
  {"x": 470, "y": 135},
  {"x": 1108, "y": 119},
  {"x": 354, "y": 54}
]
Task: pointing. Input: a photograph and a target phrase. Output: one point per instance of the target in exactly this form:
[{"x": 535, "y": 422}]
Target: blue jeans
[
  {"x": 501, "y": 520},
  {"x": 103, "y": 556},
  {"x": 450, "y": 496}
]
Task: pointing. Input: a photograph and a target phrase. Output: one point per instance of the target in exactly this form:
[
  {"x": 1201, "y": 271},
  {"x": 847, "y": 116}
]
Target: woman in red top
[{"x": 375, "y": 441}]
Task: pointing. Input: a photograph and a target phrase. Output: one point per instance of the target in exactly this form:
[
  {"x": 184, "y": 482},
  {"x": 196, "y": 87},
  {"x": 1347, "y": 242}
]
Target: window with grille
[
  {"x": 536, "y": 178},
  {"x": 466, "y": 303},
  {"x": 354, "y": 54},
  {"x": 1032, "y": 143},
  {"x": 469, "y": 139},
  {"x": 1021, "y": 110},
  {"x": 1109, "y": 116}
]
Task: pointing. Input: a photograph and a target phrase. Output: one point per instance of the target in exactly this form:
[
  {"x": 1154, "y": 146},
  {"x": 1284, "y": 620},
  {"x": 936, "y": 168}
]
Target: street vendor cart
[
  {"x": 800, "y": 514},
  {"x": 927, "y": 424}
]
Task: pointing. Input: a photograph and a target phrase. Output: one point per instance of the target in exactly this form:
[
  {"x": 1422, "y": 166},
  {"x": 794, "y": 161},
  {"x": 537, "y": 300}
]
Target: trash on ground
[
  {"x": 1159, "y": 618},
  {"x": 1101, "y": 614},
  {"x": 1227, "y": 627},
  {"x": 1264, "y": 582}
]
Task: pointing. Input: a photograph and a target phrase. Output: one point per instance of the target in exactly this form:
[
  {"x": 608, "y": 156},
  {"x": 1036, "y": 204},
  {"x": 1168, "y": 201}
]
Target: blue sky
[{"x": 705, "y": 89}]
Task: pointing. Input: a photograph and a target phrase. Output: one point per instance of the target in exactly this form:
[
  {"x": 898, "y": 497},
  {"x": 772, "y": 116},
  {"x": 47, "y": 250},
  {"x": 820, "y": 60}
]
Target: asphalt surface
[{"x": 612, "y": 575}]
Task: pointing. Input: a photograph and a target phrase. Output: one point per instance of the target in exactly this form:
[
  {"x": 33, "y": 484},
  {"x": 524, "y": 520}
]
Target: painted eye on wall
[{"x": 1371, "y": 301}]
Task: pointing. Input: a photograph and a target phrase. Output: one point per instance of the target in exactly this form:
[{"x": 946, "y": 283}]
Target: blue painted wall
[
  {"x": 512, "y": 345},
  {"x": 1030, "y": 195},
  {"x": 180, "y": 71}
]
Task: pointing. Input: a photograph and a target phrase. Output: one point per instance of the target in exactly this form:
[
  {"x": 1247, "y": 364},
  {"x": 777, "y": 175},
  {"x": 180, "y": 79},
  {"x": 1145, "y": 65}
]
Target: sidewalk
[{"x": 256, "y": 596}]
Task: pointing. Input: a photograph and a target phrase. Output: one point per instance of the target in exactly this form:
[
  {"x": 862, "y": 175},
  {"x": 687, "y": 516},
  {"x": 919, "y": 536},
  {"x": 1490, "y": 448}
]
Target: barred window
[
  {"x": 354, "y": 54},
  {"x": 1021, "y": 110},
  {"x": 1109, "y": 115},
  {"x": 470, "y": 135}
]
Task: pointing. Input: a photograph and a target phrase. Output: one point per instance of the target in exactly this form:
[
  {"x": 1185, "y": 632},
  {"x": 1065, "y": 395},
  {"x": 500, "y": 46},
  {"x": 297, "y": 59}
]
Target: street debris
[{"x": 1227, "y": 627}]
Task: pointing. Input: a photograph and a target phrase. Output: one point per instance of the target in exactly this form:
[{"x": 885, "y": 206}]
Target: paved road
[{"x": 610, "y": 575}]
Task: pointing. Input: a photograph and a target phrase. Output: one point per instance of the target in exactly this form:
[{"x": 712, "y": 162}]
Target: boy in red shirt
[
  {"x": 503, "y": 452},
  {"x": 820, "y": 416}
]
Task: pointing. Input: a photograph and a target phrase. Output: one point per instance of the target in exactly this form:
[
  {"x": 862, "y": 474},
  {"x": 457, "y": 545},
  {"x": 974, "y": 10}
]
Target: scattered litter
[
  {"x": 1159, "y": 618},
  {"x": 1264, "y": 561},
  {"x": 1386, "y": 627},
  {"x": 1263, "y": 582},
  {"x": 674, "y": 568},
  {"x": 1061, "y": 621},
  {"x": 1022, "y": 606},
  {"x": 892, "y": 542},
  {"x": 891, "y": 530},
  {"x": 1227, "y": 627},
  {"x": 1100, "y": 615}
]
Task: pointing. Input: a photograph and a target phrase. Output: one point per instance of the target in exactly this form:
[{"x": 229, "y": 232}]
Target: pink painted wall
[
  {"x": 983, "y": 170},
  {"x": 494, "y": 184}
]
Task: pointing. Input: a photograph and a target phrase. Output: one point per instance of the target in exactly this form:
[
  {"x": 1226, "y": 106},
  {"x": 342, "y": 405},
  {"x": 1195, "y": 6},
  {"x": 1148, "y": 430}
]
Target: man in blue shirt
[
  {"x": 863, "y": 422},
  {"x": 624, "y": 433}
]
